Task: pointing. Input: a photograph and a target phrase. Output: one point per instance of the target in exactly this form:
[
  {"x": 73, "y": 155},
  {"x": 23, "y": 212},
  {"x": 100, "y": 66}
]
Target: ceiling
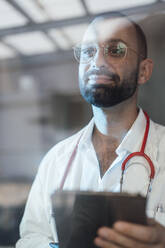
[{"x": 44, "y": 30}]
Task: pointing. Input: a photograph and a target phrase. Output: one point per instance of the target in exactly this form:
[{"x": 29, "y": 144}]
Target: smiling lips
[{"x": 99, "y": 79}]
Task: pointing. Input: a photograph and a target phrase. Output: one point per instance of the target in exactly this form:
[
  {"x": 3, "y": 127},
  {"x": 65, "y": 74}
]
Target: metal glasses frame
[{"x": 77, "y": 49}]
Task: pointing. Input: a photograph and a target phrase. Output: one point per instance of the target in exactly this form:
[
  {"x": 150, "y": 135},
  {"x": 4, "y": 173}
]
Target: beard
[{"x": 108, "y": 95}]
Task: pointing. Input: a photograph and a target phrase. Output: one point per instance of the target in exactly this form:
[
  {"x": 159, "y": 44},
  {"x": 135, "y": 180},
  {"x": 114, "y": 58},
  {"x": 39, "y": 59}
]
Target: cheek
[
  {"x": 126, "y": 69},
  {"x": 82, "y": 69}
]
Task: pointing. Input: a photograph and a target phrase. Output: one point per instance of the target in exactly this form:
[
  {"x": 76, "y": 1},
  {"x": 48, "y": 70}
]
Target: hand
[{"x": 125, "y": 235}]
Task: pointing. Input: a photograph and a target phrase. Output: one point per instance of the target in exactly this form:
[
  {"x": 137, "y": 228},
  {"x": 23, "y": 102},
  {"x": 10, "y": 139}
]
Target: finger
[
  {"x": 146, "y": 234},
  {"x": 151, "y": 221},
  {"x": 118, "y": 238},
  {"x": 105, "y": 244}
]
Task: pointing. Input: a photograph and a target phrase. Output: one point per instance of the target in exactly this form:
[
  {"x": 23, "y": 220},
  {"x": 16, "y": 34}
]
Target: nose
[{"x": 99, "y": 59}]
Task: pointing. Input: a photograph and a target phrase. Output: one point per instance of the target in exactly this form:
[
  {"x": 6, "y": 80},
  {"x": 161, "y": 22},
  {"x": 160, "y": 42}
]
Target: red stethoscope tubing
[
  {"x": 141, "y": 153},
  {"x": 69, "y": 164}
]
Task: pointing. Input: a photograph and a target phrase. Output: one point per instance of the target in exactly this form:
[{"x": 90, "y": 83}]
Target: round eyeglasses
[{"x": 113, "y": 52}]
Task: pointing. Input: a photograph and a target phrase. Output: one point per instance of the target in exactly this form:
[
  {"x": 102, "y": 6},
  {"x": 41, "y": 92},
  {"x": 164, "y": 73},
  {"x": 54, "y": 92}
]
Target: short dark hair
[
  {"x": 141, "y": 39},
  {"x": 140, "y": 36}
]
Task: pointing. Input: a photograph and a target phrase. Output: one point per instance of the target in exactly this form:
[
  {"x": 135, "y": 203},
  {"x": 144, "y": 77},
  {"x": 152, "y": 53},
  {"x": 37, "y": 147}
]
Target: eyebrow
[
  {"x": 108, "y": 40},
  {"x": 116, "y": 40}
]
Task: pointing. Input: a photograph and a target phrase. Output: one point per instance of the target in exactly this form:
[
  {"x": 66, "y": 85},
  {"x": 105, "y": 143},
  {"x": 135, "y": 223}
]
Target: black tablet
[{"x": 79, "y": 214}]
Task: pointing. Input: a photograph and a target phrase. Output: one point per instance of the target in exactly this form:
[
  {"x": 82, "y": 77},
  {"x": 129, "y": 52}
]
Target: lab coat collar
[
  {"x": 134, "y": 137},
  {"x": 132, "y": 142}
]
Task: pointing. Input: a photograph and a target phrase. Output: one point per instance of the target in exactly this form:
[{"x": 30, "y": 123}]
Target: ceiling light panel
[
  {"x": 9, "y": 17},
  {"x": 61, "y": 9},
  {"x": 75, "y": 33},
  {"x": 69, "y": 36},
  {"x": 6, "y": 52},
  {"x": 60, "y": 38},
  {"x": 107, "y": 5},
  {"x": 31, "y": 43},
  {"x": 33, "y": 9}
]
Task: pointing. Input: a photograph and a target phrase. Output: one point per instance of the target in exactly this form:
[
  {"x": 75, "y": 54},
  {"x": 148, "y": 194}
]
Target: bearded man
[{"x": 113, "y": 63}]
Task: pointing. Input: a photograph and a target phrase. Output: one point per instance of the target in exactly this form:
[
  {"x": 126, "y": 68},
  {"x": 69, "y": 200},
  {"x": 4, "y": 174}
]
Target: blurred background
[{"x": 40, "y": 102}]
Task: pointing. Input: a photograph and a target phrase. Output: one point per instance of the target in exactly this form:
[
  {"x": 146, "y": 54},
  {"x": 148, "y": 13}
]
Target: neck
[{"x": 112, "y": 124}]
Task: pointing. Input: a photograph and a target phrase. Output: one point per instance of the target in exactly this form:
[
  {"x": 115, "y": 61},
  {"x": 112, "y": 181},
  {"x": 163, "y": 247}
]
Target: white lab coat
[{"x": 37, "y": 228}]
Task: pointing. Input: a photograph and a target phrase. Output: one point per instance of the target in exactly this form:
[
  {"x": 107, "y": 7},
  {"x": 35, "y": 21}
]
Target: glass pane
[{"x": 40, "y": 100}]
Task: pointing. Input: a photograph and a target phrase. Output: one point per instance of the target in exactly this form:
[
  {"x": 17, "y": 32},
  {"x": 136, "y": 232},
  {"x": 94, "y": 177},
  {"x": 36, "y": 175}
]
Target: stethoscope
[{"x": 141, "y": 153}]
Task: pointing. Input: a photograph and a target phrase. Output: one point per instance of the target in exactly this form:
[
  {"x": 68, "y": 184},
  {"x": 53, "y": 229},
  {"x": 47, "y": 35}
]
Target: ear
[{"x": 145, "y": 71}]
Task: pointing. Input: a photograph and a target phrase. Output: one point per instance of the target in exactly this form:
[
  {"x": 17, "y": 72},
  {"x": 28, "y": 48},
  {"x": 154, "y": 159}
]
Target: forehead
[{"x": 103, "y": 30}]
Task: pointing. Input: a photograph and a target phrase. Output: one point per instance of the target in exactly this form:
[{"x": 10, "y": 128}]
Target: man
[{"x": 113, "y": 64}]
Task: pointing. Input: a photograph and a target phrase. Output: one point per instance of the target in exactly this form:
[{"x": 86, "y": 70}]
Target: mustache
[{"x": 102, "y": 71}]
